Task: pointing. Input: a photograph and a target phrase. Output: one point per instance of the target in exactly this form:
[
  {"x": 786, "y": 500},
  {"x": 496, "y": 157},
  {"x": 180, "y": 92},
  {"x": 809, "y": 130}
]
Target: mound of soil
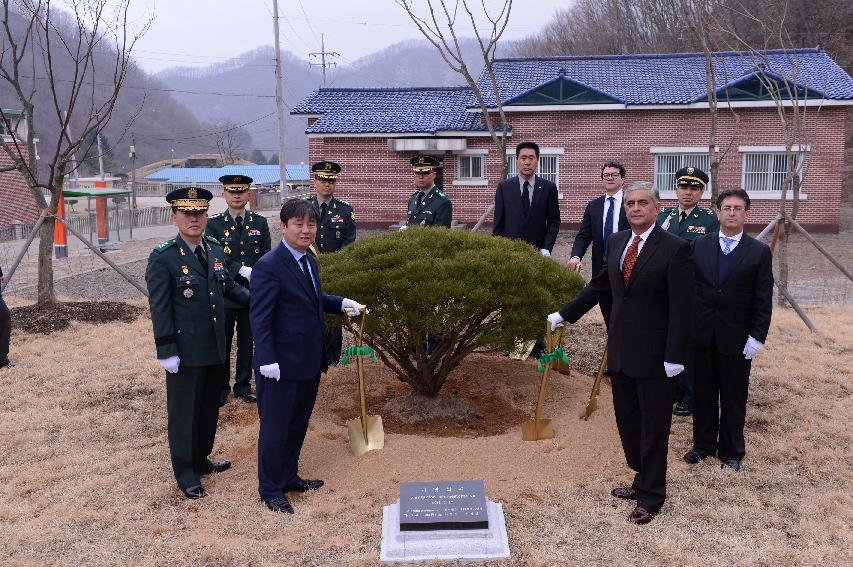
[{"x": 49, "y": 318}]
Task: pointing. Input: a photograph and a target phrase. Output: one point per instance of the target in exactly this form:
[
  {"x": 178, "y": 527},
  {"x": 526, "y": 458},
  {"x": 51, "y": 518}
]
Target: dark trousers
[
  {"x": 719, "y": 405},
  {"x": 684, "y": 387},
  {"x": 192, "y": 403},
  {"x": 5, "y": 331},
  {"x": 243, "y": 371},
  {"x": 605, "y": 304},
  {"x": 643, "y": 408},
  {"x": 334, "y": 343},
  {"x": 284, "y": 408}
]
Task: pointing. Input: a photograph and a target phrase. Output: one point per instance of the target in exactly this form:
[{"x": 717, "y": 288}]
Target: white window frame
[
  {"x": 480, "y": 181},
  {"x": 682, "y": 151},
  {"x": 770, "y": 194},
  {"x": 549, "y": 152}
]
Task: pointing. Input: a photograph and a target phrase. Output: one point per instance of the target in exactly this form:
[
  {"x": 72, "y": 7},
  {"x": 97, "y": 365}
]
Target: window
[
  {"x": 667, "y": 164},
  {"x": 548, "y": 168},
  {"x": 470, "y": 167},
  {"x": 766, "y": 171}
]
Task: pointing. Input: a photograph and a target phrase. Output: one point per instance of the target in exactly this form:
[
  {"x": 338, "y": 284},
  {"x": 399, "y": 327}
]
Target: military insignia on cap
[
  {"x": 192, "y": 193},
  {"x": 188, "y": 293},
  {"x": 691, "y": 171}
]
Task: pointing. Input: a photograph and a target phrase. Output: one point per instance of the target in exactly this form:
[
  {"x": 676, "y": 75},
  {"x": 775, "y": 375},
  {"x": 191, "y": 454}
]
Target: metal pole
[
  {"x": 133, "y": 174},
  {"x": 100, "y": 156},
  {"x": 483, "y": 217},
  {"x": 323, "y": 56},
  {"x": 23, "y": 251},
  {"x": 103, "y": 257},
  {"x": 279, "y": 104}
]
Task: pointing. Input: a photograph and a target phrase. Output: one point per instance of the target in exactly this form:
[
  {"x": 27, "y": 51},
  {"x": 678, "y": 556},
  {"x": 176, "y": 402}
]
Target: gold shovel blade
[
  {"x": 375, "y": 435},
  {"x": 534, "y": 430}
]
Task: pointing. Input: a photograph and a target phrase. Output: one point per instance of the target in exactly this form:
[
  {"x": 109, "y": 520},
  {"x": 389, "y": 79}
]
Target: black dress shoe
[
  {"x": 624, "y": 492},
  {"x": 194, "y": 492},
  {"x": 640, "y": 516},
  {"x": 693, "y": 456},
  {"x": 216, "y": 466},
  {"x": 304, "y": 485},
  {"x": 249, "y": 398},
  {"x": 680, "y": 409},
  {"x": 280, "y": 505},
  {"x": 7, "y": 364},
  {"x": 733, "y": 464}
]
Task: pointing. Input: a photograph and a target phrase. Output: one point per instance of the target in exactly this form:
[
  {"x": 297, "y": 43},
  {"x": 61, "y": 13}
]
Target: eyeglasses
[
  {"x": 731, "y": 209},
  {"x": 610, "y": 175}
]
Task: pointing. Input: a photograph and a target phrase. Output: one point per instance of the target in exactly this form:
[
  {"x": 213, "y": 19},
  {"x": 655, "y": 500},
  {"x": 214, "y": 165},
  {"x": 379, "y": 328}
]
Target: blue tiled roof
[
  {"x": 394, "y": 110},
  {"x": 669, "y": 79},
  {"x": 664, "y": 79},
  {"x": 262, "y": 174}
]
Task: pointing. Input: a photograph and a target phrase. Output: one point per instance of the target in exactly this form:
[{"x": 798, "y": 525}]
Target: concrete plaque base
[{"x": 443, "y": 544}]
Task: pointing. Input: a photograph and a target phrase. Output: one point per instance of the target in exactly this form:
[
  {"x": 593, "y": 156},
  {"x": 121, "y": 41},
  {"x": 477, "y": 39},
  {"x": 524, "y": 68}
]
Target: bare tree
[
  {"x": 232, "y": 141},
  {"x": 81, "y": 57},
  {"x": 440, "y": 29}
]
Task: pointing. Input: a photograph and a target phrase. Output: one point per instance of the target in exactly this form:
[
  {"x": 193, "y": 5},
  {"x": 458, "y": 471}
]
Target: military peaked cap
[
  {"x": 236, "y": 183},
  {"x": 424, "y": 164},
  {"x": 691, "y": 176},
  {"x": 326, "y": 170},
  {"x": 190, "y": 199}
]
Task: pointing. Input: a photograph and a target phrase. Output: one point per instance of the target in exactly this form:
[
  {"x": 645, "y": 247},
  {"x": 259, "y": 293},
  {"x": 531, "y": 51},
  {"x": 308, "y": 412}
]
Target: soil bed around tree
[{"x": 52, "y": 317}]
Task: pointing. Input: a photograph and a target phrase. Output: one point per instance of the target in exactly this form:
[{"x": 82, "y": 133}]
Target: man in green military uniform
[
  {"x": 335, "y": 230},
  {"x": 427, "y": 206},
  {"x": 245, "y": 237},
  {"x": 187, "y": 286},
  {"x": 689, "y": 221}
]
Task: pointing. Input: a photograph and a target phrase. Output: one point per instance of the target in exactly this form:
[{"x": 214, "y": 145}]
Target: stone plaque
[{"x": 443, "y": 505}]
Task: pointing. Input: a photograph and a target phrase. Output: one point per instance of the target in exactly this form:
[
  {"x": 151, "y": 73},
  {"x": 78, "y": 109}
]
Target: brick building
[
  {"x": 648, "y": 111},
  {"x": 16, "y": 200}
]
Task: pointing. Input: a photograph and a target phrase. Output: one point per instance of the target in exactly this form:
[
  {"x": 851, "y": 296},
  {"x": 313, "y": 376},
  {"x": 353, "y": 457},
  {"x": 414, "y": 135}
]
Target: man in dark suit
[
  {"x": 187, "y": 286},
  {"x": 286, "y": 313},
  {"x": 649, "y": 275},
  {"x": 245, "y": 237},
  {"x": 602, "y": 217},
  {"x": 734, "y": 293},
  {"x": 526, "y": 206},
  {"x": 5, "y": 328}
]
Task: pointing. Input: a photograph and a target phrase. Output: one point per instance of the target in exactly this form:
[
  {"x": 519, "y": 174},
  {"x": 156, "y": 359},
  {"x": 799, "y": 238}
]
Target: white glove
[
  {"x": 545, "y": 252},
  {"x": 246, "y": 272},
  {"x": 556, "y": 320},
  {"x": 404, "y": 227},
  {"x": 352, "y": 308},
  {"x": 271, "y": 370},
  {"x": 672, "y": 369},
  {"x": 751, "y": 348},
  {"x": 170, "y": 364}
]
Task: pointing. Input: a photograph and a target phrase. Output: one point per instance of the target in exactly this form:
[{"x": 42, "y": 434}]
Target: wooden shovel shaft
[
  {"x": 596, "y": 385},
  {"x": 550, "y": 345}
]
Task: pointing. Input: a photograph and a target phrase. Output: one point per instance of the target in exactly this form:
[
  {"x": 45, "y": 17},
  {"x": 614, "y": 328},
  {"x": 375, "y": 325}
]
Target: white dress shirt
[
  {"x": 643, "y": 237},
  {"x": 617, "y": 206},
  {"x": 532, "y": 182},
  {"x": 735, "y": 241}
]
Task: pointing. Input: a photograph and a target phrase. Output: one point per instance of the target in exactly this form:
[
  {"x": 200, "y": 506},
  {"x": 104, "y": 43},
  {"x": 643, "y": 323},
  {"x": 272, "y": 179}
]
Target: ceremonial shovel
[
  {"x": 537, "y": 428},
  {"x": 596, "y": 386},
  {"x": 365, "y": 432}
]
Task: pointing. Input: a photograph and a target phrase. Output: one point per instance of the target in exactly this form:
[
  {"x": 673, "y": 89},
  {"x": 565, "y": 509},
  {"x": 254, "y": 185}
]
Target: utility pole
[
  {"x": 279, "y": 104},
  {"x": 132, "y": 176},
  {"x": 100, "y": 156},
  {"x": 323, "y": 54}
]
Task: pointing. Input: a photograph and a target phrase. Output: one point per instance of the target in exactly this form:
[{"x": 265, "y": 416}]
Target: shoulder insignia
[
  {"x": 311, "y": 198},
  {"x": 164, "y": 245},
  {"x": 343, "y": 202},
  {"x": 211, "y": 239},
  {"x": 442, "y": 195},
  {"x": 216, "y": 216}
]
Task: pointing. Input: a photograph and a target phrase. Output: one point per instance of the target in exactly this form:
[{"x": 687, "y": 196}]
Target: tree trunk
[
  {"x": 45, "y": 266},
  {"x": 782, "y": 256}
]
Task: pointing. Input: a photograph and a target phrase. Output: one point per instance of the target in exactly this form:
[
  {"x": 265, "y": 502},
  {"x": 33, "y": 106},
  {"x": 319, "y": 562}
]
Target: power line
[{"x": 323, "y": 54}]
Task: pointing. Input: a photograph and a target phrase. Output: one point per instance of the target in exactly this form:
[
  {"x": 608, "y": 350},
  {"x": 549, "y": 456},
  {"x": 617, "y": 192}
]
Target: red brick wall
[
  {"x": 16, "y": 200},
  {"x": 378, "y": 181}
]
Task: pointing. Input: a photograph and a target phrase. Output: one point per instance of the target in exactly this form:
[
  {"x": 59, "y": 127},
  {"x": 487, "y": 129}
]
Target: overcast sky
[{"x": 203, "y": 32}]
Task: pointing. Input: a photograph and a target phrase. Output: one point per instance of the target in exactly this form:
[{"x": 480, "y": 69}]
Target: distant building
[
  {"x": 264, "y": 175},
  {"x": 648, "y": 111},
  {"x": 17, "y": 205}
]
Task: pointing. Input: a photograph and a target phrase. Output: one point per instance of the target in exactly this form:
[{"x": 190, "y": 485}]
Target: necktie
[
  {"x": 683, "y": 216},
  {"x": 608, "y": 221},
  {"x": 525, "y": 198},
  {"x": 200, "y": 255},
  {"x": 630, "y": 259},
  {"x": 420, "y": 198},
  {"x": 727, "y": 245},
  {"x": 304, "y": 261},
  {"x": 324, "y": 208},
  {"x": 239, "y": 221}
]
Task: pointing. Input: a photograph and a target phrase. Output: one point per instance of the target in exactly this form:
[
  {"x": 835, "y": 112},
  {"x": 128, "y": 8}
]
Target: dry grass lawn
[{"x": 85, "y": 476}]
